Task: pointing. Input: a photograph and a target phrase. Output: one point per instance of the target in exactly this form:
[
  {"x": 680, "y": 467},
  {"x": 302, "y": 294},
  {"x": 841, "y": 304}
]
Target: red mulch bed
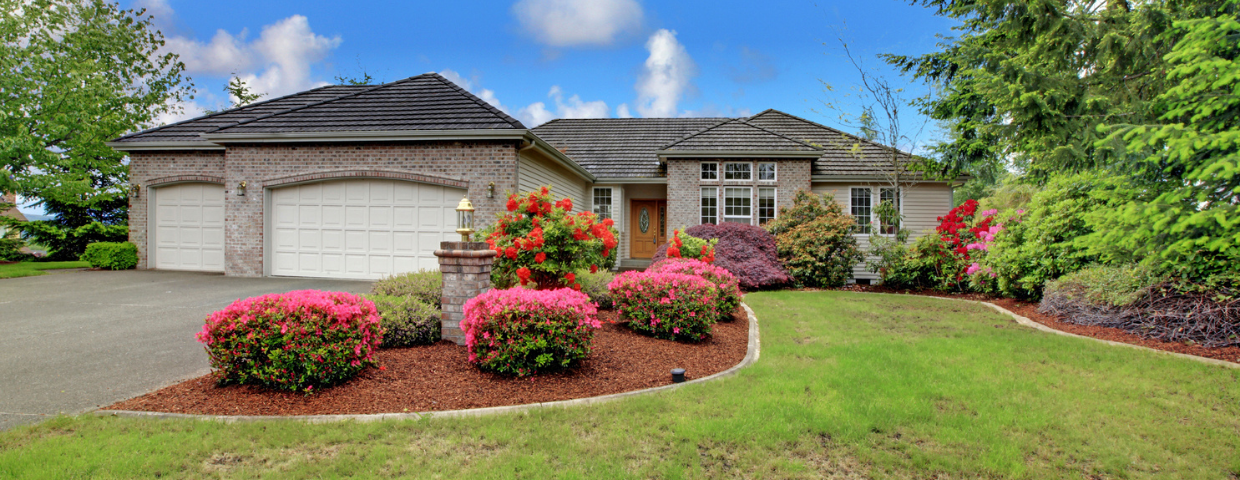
[
  {"x": 1030, "y": 310},
  {"x": 437, "y": 377}
]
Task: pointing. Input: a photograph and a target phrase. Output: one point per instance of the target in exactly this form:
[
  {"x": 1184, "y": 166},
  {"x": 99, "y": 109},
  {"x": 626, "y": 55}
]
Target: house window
[
  {"x": 766, "y": 171},
  {"x": 737, "y": 171},
  {"x": 892, "y": 196},
  {"x": 710, "y": 205},
  {"x": 602, "y": 203},
  {"x": 710, "y": 171},
  {"x": 862, "y": 204},
  {"x": 766, "y": 204},
  {"x": 738, "y": 205}
]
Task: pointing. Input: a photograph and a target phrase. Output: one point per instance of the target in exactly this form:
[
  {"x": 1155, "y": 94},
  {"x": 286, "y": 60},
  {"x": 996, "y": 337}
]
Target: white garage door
[
  {"x": 360, "y": 228},
  {"x": 189, "y": 227}
]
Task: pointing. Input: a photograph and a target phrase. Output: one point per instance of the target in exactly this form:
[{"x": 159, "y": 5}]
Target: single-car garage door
[
  {"x": 360, "y": 228},
  {"x": 189, "y": 227}
]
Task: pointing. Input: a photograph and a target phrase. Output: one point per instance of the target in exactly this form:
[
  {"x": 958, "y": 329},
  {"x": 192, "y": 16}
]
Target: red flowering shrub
[
  {"x": 297, "y": 341},
  {"x": 543, "y": 242},
  {"x": 745, "y": 250},
  {"x": 726, "y": 284},
  {"x": 688, "y": 246},
  {"x": 944, "y": 261},
  {"x": 671, "y": 306},
  {"x": 523, "y": 332}
]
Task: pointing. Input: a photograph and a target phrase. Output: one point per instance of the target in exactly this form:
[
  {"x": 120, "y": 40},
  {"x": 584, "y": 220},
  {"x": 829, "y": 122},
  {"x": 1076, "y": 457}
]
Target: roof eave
[
  {"x": 162, "y": 146},
  {"x": 630, "y": 180},
  {"x": 876, "y": 176},
  {"x": 557, "y": 155},
  {"x": 368, "y": 136},
  {"x": 665, "y": 154}
]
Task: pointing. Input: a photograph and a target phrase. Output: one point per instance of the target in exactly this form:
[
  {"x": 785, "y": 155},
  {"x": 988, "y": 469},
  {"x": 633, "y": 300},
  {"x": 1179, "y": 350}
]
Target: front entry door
[{"x": 648, "y": 224}]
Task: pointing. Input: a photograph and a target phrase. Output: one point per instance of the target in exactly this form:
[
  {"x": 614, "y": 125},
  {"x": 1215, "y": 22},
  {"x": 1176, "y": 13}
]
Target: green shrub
[
  {"x": 424, "y": 285},
  {"x": 815, "y": 241},
  {"x": 595, "y": 286},
  {"x": 927, "y": 263},
  {"x": 111, "y": 255},
  {"x": 11, "y": 250},
  {"x": 406, "y": 321},
  {"x": 1104, "y": 286}
]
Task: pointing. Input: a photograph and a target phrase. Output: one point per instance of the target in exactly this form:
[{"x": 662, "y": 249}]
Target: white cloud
[
  {"x": 158, "y": 9},
  {"x": 225, "y": 54},
  {"x": 485, "y": 94},
  {"x": 571, "y": 23},
  {"x": 536, "y": 113},
  {"x": 287, "y": 49},
  {"x": 622, "y": 111},
  {"x": 666, "y": 75}
]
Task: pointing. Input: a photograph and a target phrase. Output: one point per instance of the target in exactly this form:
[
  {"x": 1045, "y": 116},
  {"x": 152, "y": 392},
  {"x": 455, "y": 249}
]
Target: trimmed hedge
[
  {"x": 299, "y": 341},
  {"x": 406, "y": 321},
  {"x": 521, "y": 331},
  {"x": 671, "y": 306},
  {"x": 424, "y": 285},
  {"x": 111, "y": 255}
]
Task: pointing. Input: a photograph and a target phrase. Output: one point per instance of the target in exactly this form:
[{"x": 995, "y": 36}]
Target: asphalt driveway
[{"x": 72, "y": 342}]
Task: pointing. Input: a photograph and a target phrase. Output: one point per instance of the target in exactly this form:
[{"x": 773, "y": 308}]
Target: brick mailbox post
[{"x": 466, "y": 268}]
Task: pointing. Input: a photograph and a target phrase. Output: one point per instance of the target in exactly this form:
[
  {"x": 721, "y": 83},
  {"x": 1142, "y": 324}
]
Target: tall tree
[{"x": 73, "y": 75}]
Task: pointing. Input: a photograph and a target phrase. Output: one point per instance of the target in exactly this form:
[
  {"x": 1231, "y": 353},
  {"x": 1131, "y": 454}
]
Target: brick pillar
[{"x": 466, "y": 268}]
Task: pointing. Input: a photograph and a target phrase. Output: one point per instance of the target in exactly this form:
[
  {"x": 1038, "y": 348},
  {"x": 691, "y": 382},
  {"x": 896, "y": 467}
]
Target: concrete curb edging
[
  {"x": 753, "y": 350},
  {"x": 1038, "y": 326}
]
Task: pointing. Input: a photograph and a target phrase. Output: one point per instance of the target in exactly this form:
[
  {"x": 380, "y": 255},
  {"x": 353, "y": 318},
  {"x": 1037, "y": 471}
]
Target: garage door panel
[
  {"x": 360, "y": 228},
  {"x": 189, "y": 227}
]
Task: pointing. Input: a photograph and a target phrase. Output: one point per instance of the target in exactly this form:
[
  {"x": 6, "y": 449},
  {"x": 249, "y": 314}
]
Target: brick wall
[
  {"x": 477, "y": 163},
  {"x": 164, "y": 167},
  {"x": 684, "y": 186}
]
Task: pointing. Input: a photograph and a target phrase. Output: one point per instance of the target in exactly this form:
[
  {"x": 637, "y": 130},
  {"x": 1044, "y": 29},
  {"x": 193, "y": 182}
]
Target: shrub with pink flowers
[
  {"x": 672, "y": 306},
  {"x": 727, "y": 286},
  {"x": 300, "y": 341},
  {"x": 522, "y": 331}
]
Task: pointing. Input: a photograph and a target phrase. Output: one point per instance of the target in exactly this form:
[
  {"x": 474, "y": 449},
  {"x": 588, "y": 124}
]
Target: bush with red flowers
[
  {"x": 944, "y": 260},
  {"x": 671, "y": 306},
  {"x": 522, "y": 332},
  {"x": 298, "y": 341},
  {"x": 543, "y": 243},
  {"x": 745, "y": 250},
  {"x": 684, "y": 245},
  {"x": 729, "y": 291}
]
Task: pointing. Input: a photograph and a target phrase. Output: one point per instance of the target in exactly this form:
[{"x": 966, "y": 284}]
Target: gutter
[
  {"x": 367, "y": 136},
  {"x": 559, "y": 157},
  {"x": 162, "y": 146},
  {"x": 635, "y": 180},
  {"x": 665, "y": 154}
]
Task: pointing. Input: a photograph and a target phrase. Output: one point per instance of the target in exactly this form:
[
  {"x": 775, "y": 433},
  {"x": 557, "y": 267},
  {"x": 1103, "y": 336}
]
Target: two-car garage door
[{"x": 362, "y": 228}]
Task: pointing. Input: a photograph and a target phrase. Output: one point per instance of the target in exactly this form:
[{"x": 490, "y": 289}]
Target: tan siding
[
  {"x": 536, "y": 172},
  {"x": 923, "y": 204}
]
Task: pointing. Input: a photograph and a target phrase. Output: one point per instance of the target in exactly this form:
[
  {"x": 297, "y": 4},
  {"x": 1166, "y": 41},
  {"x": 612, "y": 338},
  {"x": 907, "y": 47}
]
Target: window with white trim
[
  {"x": 737, "y": 171},
  {"x": 862, "y": 203},
  {"x": 738, "y": 205},
  {"x": 766, "y": 204},
  {"x": 890, "y": 195},
  {"x": 710, "y": 171},
  {"x": 766, "y": 172},
  {"x": 602, "y": 202},
  {"x": 710, "y": 205}
]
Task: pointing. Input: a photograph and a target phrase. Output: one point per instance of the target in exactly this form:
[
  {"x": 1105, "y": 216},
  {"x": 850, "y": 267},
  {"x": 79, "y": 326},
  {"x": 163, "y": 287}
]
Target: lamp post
[{"x": 465, "y": 219}]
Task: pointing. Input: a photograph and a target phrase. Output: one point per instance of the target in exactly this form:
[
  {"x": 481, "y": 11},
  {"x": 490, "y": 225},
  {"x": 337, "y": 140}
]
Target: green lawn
[
  {"x": 848, "y": 386},
  {"x": 30, "y": 269}
]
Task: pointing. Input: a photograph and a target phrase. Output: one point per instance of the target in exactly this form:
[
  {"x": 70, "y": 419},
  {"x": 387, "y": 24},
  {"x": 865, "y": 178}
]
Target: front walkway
[{"x": 76, "y": 341}]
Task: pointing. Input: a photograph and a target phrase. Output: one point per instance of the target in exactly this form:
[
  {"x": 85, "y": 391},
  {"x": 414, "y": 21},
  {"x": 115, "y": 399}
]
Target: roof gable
[
  {"x": 843, "y": 154},
  {"x": 619, "y": 147},
  {"x": 737, "y": 135}
]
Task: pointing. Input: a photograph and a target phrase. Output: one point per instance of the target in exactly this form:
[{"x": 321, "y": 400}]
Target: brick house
[{"x": 362, "y": 181}]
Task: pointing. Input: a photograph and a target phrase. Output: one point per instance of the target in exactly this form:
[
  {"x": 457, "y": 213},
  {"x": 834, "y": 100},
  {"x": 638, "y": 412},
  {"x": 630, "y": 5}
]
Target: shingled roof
[
  {"x": 424, "y": 102},
  {"x": 619, "y": 147},
  {"x": 843, "y": 154},
  {"x": 737, "y": 135}
]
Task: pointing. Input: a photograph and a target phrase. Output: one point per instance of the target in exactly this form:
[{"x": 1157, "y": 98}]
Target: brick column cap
[{"x": 464, "y": 249}]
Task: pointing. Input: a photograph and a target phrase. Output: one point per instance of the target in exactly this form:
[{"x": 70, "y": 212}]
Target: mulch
[
  {"x": 438, "y": 377},
  {"x": 1030, "y": 310}
]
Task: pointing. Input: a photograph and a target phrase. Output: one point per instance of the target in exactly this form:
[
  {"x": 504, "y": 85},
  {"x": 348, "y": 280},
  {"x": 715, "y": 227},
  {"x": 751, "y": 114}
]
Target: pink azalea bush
[
  {"x": 297, "y": 341},
  {"x": 727, "y": 286},
  {"x": 522, "y": 331},
  {"x": 672, "y": 306}
]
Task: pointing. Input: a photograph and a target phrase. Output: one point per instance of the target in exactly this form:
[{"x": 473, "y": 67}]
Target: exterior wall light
[
  {"x": 465, "y": 219},
  {"x": 135, "y": 190},
  {"x": 241, "y": 189},
  {"x": 491, "y": 190}
]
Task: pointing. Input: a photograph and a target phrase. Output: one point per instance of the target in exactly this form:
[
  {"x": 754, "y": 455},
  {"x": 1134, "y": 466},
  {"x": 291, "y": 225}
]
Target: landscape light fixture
[
  {"x": 465, "y": 219},
  {"x": 134, "y": 190},
  {"x": 241, "y": 189},
  {"x": 491, "y": 190}
]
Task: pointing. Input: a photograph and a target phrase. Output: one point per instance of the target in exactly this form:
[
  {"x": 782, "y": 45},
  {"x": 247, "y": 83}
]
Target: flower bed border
[{"x": 753, "y": 350}]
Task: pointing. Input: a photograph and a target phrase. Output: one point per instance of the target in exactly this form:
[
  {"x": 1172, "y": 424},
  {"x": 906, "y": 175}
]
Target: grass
[
  {"x": 848, "y": 386},
  {"x": 30, "y": 269}
]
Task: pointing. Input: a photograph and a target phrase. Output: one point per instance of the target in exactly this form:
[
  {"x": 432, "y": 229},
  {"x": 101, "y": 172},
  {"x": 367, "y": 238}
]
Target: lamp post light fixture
[
  {"x": 241, "y": 189},
  {"x": 465, "y": 219}
]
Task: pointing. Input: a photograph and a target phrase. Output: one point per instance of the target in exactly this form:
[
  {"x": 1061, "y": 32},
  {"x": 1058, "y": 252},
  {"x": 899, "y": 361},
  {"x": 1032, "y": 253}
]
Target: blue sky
[{"x": 543, "y": 59}]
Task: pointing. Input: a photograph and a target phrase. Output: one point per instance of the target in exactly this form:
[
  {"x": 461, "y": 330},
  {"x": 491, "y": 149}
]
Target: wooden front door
[{"x": 648, "y": 224}]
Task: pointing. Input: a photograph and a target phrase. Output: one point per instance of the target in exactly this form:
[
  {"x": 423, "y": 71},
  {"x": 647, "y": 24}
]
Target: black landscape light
[{"x": 678, "y": 375}]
